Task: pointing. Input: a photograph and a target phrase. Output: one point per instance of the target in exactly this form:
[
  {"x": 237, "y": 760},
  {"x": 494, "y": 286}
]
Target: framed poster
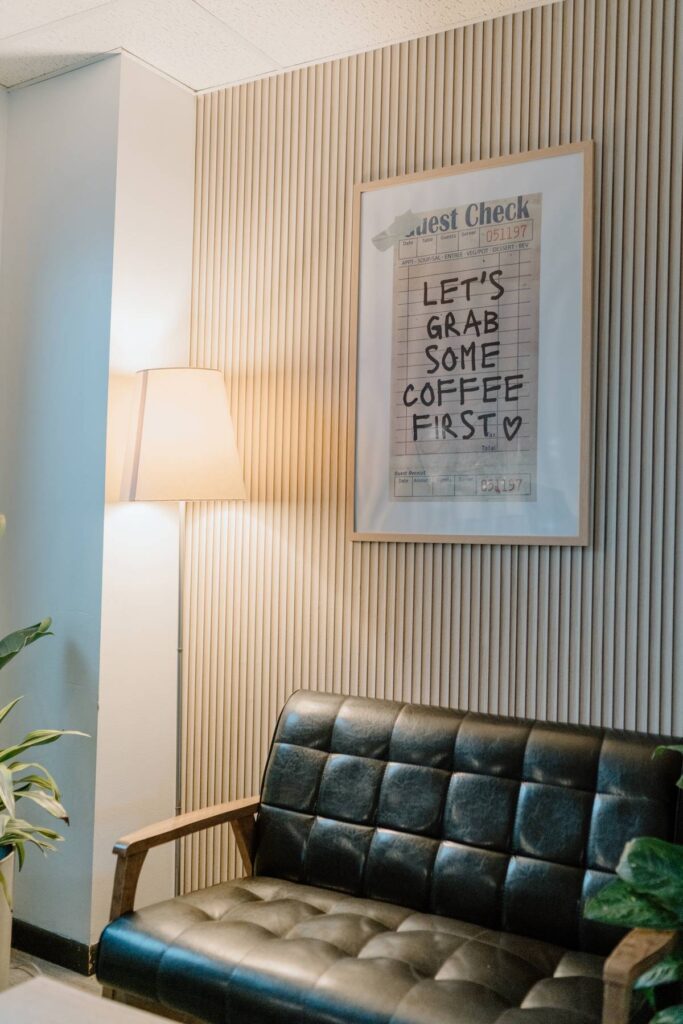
[{"x": 471, "y": 376}]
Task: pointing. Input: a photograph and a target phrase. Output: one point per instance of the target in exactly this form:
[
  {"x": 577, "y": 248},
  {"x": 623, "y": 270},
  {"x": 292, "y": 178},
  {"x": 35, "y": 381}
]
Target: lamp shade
[{"x": 181, "y": 444}]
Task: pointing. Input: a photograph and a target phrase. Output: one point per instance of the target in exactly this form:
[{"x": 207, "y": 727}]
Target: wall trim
[{"x": 57, "y": 949}]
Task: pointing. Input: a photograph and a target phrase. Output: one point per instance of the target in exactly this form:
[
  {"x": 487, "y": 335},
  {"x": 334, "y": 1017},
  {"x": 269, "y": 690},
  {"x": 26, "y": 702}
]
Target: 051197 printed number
[
  {"x": 504, "y": 485},
  {"x": 508, "y": 233}
]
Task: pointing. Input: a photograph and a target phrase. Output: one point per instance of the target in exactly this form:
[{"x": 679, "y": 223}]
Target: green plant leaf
[
  {"x": 37, "y": 738},
  {"x": 672, "y": 1015},
  {"x": 4, "y": 712},
  {"x": 663, "y": 973},
  {"x": 28, "y": 783},
  {"x": 677, "y": 748},
  {"x": 619, "y": 904},
  {"x": 48, "y": 783},
  {"x": 17, "y": 641},
  {"x": 11, "y": 827},
  {"x": 654, "y": 867},
  {"x": 7, "y": 789},
  {"x": 18, "y": 832},
  {"x": 47, "y": 803}
]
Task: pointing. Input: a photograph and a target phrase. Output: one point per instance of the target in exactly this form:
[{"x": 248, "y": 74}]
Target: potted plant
[
  {"x": 22, "y": 783},
  {"x": 648, "y": 893}
]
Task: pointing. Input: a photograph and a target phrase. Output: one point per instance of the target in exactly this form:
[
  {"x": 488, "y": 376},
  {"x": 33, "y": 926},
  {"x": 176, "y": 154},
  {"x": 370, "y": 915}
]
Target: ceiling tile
[
  {"x": 24, "y": 15},
  {"x": 303, "y": 31},
  {"x": 209, "y": 43},
  {"x": 177, "y": 37}
]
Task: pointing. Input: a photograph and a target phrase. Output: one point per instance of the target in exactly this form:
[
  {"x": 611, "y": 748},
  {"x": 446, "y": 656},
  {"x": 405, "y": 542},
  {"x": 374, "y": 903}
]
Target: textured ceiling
[{"x": 209, "y": 43}]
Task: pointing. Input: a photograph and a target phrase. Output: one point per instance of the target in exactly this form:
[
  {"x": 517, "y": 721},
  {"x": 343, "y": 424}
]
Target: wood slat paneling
[{"x": 276, "y": 597}]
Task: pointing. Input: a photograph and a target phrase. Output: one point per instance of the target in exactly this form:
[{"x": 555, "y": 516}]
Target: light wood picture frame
[{"x": 471, "y": 352}]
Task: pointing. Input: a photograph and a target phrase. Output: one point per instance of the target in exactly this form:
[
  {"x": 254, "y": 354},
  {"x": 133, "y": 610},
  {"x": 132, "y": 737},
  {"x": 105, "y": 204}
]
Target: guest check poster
[
  {"x": 465, "y": 353},
  {"x": 472, "y": 361}
]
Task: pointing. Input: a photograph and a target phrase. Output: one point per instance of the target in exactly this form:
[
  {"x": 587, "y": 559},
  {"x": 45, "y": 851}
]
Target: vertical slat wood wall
[{"x": 276, "y": 596}]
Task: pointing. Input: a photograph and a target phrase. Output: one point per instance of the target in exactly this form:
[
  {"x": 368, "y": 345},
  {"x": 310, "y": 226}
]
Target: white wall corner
[
  {"x": 94, "y": 285},
  {"x": 150, "y": 326},
  {"x": 55, "y": 314}
]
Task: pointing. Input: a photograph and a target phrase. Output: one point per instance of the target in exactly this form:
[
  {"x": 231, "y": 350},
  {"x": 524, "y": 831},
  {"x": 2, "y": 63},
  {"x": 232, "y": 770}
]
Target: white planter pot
[{"x": 7, "y": 870}]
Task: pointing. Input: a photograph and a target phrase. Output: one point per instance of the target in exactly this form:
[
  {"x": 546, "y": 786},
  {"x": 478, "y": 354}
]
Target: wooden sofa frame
[{"x": 636, "y": 953}]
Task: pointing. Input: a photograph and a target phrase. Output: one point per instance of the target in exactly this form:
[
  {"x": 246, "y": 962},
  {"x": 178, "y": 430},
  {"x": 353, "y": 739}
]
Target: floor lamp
[{"x": 181, "y": 447}]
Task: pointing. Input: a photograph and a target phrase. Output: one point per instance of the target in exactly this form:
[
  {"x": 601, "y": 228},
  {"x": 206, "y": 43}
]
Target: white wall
[
  {"x": 94, "y": 284},
  {"x": 150, "y": 327},
  {"x": 4, "y": 112},
  {"x": 55, "y": 314}
]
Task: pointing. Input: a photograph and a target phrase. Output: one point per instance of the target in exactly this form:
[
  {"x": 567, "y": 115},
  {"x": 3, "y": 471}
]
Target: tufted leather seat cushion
[
  {"x": 414, "y": 865},
  {"x": 263, "y": 950}
]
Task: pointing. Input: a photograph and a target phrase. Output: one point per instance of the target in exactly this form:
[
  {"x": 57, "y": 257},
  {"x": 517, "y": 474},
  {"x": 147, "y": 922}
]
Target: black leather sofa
[{"x": 411, "y": 865}]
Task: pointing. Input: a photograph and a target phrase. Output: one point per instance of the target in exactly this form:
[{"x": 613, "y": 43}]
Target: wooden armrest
[
  {"x": 184, "y": 825},
  {"x": 635, "y": 954},
  {"x": 132, "y": 849}
]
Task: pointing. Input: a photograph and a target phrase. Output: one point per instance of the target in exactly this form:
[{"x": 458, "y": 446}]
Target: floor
[{"x": 24, "y": 967}]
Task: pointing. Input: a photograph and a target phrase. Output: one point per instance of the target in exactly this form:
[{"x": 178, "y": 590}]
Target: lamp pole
[{"x": 179, "y": 728}]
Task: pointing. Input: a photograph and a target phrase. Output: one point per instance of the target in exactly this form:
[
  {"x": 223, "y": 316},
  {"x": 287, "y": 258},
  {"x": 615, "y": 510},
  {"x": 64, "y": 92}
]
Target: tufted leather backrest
[{"x": 507, "y": 823}]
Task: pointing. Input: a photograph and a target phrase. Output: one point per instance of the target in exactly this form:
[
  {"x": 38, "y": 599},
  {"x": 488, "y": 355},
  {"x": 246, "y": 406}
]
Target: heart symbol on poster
[{"x": 511, "y": 425}]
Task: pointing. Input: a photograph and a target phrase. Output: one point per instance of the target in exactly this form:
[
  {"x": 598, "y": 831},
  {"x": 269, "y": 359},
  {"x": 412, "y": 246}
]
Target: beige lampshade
[{"x": 181, "y": 445}]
